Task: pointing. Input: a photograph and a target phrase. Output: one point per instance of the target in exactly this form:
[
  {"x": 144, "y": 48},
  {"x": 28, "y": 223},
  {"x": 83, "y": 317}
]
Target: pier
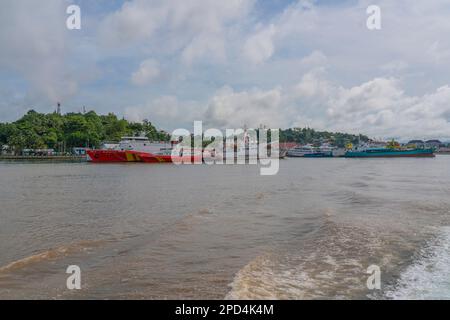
[{"x": 69, "y": 158}]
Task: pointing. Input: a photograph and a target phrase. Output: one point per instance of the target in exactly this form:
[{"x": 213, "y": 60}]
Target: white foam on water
[
  {"x": 331, "y": 264},
  {"x": 429, "y": 275},
  {"x": 266, "y": 278}
]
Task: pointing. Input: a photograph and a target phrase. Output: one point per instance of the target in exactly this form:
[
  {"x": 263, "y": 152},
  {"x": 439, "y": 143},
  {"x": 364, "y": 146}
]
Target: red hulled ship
[{"x": 140, "y": 149}]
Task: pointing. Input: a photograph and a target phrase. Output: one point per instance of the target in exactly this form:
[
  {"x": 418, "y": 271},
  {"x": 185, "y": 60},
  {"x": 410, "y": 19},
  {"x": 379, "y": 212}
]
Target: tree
[
  {"x": 311, "y": 136},
  {"x": 36, "y": 130}
]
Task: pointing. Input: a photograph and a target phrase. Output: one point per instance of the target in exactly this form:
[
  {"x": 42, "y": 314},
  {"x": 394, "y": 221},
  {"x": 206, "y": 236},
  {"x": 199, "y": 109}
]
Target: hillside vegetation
[{"x": 38, "y": 131}]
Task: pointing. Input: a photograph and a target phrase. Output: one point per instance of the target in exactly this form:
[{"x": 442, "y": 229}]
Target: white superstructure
[
  {"x": 142, "y": 144},
  {"x": 301, "y": 151}
]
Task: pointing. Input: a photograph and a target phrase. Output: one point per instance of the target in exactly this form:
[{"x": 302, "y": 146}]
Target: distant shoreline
[{"x": 44, "y": 158}]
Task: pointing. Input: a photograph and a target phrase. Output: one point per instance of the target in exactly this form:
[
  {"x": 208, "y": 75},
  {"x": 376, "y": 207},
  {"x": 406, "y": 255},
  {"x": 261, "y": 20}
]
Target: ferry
[
  {"x": 140, "y": 149},
  {"x": 388, "y": 153},
  {"x": 309, "y": 151}
]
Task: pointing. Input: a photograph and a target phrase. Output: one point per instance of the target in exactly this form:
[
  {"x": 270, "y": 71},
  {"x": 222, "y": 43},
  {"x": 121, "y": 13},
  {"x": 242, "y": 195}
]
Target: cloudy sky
[{"x": 281, "y": 63}]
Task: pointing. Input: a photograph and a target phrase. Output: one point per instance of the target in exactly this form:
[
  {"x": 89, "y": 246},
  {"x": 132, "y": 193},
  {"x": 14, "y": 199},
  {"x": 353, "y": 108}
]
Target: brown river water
[{"x": 140, "y": 231}]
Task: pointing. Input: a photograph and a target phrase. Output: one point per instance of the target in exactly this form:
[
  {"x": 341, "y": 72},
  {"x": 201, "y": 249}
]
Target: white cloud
[
  {"x": 312, "y": 85},
  {"x": 34, "y": 43},
  {"x": 204, "y": 46},
  {"x": 195, "y": 29},
  {"x": 259, "y": 47},
  {"x": 395, "y": 66},
  {"x": 148, "y": 71},
  {"x": 437, "y": 52},
  {"x": 231, "y": 109},
  {"x": 166, "y": 112},
  {"x": 378, "y": 107},
  {"x": 308, "y": 64},
  {"x": 316, "y": 58}
]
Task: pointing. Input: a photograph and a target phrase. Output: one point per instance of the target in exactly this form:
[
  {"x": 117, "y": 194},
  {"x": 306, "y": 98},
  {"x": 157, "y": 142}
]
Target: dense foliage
[
  {"x": 38, "y": 131},
  {"x": 307, "y": 135}
]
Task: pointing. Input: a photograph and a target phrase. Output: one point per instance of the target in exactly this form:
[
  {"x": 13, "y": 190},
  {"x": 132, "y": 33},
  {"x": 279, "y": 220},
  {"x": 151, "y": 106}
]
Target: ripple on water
[{"x": 50, "y": 254}]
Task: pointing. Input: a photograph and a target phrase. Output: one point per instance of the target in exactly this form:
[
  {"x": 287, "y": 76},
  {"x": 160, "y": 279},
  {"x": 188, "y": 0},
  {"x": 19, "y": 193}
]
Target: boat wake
[
  {"x": 428, "y": 276},
  {"x": 51, "y": 254},
  {"x": 332, "y": 263}
]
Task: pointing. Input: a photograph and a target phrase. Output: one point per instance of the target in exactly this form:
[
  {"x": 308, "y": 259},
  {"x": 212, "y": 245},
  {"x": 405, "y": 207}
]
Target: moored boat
[
  {"x": 131, "y": 149},
  {"x": 106, "y": 156},
  {"x": 388, "y": 153},
  {"x": 308, "y": 151},
  {"x": 140, "y": 149}
]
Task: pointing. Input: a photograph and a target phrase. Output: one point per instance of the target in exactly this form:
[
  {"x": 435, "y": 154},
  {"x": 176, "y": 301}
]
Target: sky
[{"x": 280, "y": 63}]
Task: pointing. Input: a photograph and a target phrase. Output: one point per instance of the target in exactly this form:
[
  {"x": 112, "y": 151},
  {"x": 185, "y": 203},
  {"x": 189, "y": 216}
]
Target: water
[{"x": 142, "y": 231}]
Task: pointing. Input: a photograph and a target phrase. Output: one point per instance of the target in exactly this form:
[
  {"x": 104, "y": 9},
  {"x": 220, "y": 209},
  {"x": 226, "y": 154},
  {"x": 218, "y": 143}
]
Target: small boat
[{"x": 388, "y": 153}]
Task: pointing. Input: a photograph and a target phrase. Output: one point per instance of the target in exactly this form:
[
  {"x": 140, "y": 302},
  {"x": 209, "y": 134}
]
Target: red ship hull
[
  {"x": 105, "y": 156},
  {"x": 153, "y": 158}
]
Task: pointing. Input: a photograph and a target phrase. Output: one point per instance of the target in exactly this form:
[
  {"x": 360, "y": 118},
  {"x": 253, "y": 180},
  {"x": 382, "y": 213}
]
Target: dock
[{"x": 70, "y": 158}]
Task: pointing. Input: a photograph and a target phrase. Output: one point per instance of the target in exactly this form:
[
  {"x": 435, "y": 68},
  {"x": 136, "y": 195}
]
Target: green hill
[
  {"x": 37, "y": 130},
  {"x": 307, "y": 135}
]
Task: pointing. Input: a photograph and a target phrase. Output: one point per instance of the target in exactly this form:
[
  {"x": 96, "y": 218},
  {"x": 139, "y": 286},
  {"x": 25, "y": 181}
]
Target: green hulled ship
[{"x": 388, "y": 153}]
